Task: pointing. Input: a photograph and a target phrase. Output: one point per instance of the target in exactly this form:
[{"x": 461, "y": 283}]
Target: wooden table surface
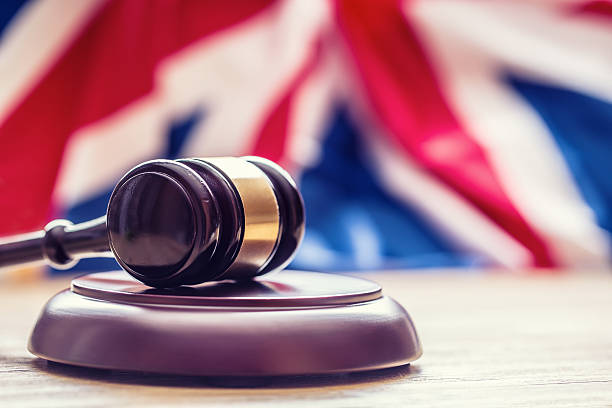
[{"x": 489, "y": 340}]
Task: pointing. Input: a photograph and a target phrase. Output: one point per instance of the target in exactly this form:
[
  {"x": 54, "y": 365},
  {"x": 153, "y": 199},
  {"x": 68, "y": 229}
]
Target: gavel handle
[{"x": 61, "y": 244}]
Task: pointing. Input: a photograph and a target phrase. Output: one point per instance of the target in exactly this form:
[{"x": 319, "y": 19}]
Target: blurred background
[{"x": 431, "y": 133}]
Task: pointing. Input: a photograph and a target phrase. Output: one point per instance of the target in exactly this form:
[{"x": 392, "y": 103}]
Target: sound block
[{"x": 286, "y": 323}]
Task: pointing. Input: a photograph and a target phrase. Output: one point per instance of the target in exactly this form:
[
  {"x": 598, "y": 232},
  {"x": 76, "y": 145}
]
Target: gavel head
[{"x": 188, "y": 221}]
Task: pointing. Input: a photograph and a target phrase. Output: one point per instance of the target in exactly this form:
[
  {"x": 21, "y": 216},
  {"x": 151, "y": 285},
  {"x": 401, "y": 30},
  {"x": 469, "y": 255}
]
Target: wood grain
[{"x": 489, "y": 340}]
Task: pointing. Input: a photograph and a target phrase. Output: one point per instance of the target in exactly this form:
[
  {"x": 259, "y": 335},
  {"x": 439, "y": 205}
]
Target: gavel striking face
[{"x": 184, "y": 222}]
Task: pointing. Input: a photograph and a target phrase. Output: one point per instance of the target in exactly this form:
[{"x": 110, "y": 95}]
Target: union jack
[{"x": 421, "y": 133}]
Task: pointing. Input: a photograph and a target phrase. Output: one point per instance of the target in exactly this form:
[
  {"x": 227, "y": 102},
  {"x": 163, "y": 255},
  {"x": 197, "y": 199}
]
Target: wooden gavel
[{"x": 182, "y": 222}]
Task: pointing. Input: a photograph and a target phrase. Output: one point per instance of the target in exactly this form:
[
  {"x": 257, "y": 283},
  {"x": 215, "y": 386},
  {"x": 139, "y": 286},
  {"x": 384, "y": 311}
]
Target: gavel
[{"x": 182, "y": 222}]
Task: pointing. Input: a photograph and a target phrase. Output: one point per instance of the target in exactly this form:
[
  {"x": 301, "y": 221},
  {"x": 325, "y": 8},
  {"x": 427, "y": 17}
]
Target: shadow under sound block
[{"x": 288, "y": 323}]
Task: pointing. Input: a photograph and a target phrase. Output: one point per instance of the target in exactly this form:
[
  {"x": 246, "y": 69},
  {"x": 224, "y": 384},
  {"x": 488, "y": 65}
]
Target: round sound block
[{"x": 288, "y": 323}]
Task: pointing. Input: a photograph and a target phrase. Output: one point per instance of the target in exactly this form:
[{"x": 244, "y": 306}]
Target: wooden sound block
[{"x": 286, "y": 323}]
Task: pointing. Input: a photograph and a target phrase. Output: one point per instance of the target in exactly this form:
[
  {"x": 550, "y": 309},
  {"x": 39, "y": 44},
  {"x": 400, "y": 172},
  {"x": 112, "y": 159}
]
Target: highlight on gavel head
[{"x": 188, "y": 221}]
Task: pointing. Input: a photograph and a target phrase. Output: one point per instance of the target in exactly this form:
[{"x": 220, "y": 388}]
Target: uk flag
[{"x": 421, "y": 133}]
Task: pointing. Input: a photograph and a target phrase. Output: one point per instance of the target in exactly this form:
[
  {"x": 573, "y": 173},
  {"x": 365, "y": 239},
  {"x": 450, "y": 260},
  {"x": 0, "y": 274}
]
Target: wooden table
[{"x": 489, "y": 340}]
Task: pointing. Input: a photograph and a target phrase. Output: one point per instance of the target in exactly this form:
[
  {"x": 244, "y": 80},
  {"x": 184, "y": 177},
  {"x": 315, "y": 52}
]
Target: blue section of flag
[
  {"x": 178, "y": 133},
  {"x": 582, "y": 128},
  {"x": 352, "y": 223},
  {"x": 8, "y": 10}
]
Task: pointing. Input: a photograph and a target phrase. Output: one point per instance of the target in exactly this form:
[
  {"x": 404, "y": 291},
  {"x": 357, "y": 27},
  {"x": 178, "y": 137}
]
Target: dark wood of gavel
[{"x": 182, "y": 222}]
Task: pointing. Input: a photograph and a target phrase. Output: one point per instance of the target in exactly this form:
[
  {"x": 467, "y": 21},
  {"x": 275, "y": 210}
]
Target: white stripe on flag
[
  {"x": 539, "y": 40},
  {"x": 311, "y": 112}
]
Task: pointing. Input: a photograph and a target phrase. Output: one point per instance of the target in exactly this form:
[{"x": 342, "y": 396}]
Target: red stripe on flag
[
  {"x": 110, "y": 64},
  {"x": 271, "y": 139},
  {"x": 405, "y": 95},
  {"x": 598, "y": 8}
]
